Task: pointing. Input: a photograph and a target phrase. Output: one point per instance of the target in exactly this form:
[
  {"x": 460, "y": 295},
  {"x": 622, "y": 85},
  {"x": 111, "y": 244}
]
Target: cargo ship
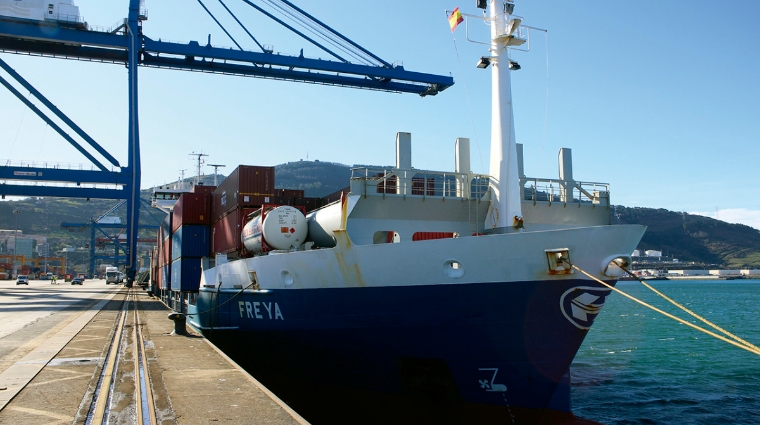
[{"x": 412, "y": 296}]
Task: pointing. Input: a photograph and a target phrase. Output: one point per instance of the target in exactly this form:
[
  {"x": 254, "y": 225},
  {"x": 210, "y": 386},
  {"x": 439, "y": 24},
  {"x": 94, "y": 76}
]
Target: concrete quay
[{"x": 55, "y": 345}]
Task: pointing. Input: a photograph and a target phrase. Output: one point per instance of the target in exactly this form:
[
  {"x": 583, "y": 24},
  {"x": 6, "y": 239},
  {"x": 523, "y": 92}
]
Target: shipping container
[
  {"x": 309, "y": 204},
  {"x": 165, "y": 256},
  {"x": 225, "y": 233},
  {"x": 190, "y": 240},
  {"x": 166, "y": 226},
  {"x": 203, "y": 189},
  {"x": 335, "y": 196},
  {"x": 191, "y": 208},
  {"x": 165, "y": 277},
  {"x": 289, "y": 193},
  {"x": 186, "y": 274},
  {"x": 246, "y": 187}
]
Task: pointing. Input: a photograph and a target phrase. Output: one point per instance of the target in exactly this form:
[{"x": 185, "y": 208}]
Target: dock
[{"x": 107, "y": 354}]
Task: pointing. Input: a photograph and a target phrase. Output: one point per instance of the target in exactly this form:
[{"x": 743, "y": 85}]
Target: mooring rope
[
  {"x": 228, "y": 300},
  {"x": 738, "y": 342}
]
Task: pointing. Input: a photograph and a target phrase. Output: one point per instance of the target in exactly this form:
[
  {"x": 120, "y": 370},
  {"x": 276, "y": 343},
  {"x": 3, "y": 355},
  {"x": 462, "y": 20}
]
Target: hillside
[
  {"x": 694, "y": 238},
  {"x": 690, "y": 238},
  {"x": 315, "y": 178}
]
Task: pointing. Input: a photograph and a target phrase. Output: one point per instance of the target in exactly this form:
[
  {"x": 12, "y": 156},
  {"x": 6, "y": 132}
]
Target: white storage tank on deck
[
  {"x": 282, "y": 227},
  {"x": 322, "y": 224}
]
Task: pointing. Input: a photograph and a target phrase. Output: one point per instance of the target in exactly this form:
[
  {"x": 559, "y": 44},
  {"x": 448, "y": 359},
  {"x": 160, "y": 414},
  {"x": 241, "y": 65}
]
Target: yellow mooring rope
[{"x": 738, "y": 342}]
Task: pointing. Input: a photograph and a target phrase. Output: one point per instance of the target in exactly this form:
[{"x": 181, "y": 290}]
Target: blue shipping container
[
  {"x": 166, "y": 226},
  {"x": 186, "y": 274},
  {"x": 190, "y": 240},
  {"x": 166, "y": 277}
]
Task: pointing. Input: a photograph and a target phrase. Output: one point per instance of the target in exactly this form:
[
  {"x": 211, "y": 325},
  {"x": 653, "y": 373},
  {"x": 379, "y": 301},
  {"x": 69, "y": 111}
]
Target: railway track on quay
[
  {"x": 104, "y": 334},
  {"x": 127, "y": 339},
  {"x": 97, "y": 354}
]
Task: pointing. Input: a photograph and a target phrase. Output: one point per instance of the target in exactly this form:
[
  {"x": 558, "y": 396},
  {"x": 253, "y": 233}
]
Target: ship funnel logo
[{"x": 582, "y": 304}]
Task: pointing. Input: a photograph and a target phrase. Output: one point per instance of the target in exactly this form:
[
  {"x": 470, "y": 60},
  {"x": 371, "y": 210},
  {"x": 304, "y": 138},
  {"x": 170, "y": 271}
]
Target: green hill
[
  {"x": 694, "y": 238},
  {"x": 315, "y": 178}
]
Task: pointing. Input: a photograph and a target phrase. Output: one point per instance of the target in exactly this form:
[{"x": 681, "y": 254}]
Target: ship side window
[{"x": 386, "y": 236}]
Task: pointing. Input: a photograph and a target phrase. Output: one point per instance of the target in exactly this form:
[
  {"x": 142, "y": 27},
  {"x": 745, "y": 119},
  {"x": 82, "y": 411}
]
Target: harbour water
[{"x": 639, "y": 367}]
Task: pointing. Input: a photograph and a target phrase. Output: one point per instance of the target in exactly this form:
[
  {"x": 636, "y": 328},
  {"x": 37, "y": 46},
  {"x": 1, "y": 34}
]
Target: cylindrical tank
[
  {"x": 322, "y": 223},
  {"x": 282, "y": 227}
]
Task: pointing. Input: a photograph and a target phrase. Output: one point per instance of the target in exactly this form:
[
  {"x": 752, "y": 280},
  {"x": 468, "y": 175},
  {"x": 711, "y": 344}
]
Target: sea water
[{"x": 639, "y": 367}]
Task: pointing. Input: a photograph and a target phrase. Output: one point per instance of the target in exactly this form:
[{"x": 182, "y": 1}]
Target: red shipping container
[
  {"x": 191, "y": 208},
  {"x": 225, "y": 233},
  {"x": 203, "y": 189},
  {"x": 308, "y": 204},
  {"x": 246, "y": 187},
  {"x": 289, "y": 193},
  {"x": 165, "y": 256},
  {"x": 335, "y": 196}
]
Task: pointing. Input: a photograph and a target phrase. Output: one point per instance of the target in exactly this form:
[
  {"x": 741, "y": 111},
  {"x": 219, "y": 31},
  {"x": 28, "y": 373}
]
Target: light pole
[{"x": 15, "y": 240}]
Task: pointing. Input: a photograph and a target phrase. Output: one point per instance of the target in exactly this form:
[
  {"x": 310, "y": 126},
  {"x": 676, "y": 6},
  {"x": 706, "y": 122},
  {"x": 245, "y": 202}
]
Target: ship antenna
[
  {"x": 181, "y": 183},
  {"x": 200, "y": 162},
  {"x": 216, "y": 167}
]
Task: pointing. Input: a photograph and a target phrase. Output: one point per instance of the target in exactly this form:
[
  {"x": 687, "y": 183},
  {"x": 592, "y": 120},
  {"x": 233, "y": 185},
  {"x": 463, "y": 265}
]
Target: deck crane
[{"x": 62, "y": 36}]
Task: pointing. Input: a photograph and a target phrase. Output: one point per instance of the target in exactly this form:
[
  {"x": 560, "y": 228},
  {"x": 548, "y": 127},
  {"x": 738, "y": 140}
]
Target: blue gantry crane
[{"x": 59, "y": 32}]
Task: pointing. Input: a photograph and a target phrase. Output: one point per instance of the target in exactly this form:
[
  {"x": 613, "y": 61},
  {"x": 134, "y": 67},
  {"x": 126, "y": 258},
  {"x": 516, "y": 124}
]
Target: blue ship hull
[{"x": 491, "y": 350}]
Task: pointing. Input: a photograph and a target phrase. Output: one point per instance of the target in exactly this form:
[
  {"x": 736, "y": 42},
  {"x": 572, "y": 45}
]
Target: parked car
[
  {"x": 22, "y": 279},
  {"x": 76, "y": 281}
]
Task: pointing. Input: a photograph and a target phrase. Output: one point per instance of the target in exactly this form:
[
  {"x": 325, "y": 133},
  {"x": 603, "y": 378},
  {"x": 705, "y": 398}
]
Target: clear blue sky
[{"x": 659, "y": 99}]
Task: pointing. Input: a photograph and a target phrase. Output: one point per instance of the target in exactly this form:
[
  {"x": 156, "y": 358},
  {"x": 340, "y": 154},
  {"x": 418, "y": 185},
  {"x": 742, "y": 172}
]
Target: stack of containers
[
  {"x": 241, "y": 193},
  {"x": 189, "y": 239},
  {"x": 154, "y": 264},
  {"x": 164, "y": 252},
  {"x": 295, "y": 198},
  {"x": 203, "y": 189}
]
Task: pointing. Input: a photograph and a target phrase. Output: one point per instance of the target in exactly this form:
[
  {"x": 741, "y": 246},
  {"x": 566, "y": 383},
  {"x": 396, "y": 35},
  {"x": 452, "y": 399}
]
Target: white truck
[{"x": 112, "y": 275}]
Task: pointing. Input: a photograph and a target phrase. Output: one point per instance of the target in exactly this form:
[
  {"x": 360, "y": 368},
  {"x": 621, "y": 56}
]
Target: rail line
[{"x": 143, "y": 396}]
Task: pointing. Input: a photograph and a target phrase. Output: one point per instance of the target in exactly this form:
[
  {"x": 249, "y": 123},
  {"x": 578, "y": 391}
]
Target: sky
[{"x": 659, "y": 99}]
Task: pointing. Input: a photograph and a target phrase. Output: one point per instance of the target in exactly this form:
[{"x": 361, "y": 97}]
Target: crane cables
[{"x": 307, "y": 27}]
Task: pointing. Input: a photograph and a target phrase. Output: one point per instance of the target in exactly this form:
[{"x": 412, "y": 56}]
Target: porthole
[
  {"x": 453, "y": 269},
  {"x": 286, "y": 277}
]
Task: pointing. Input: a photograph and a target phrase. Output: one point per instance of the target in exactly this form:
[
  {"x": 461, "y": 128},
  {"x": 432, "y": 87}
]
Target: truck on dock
[{"x": 112, "y": 275}]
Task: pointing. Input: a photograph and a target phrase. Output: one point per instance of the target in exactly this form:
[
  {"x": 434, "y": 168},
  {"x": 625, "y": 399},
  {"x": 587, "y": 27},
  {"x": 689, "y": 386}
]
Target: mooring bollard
[{"x": 179, "y": 323}]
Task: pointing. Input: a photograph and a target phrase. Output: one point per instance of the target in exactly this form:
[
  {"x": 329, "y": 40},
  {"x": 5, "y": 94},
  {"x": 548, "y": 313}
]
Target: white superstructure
[{"x": 41, "y": 10}]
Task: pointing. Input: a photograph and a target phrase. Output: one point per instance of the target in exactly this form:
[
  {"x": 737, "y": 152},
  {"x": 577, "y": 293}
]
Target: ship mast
[{"x": 505, "y": 213}]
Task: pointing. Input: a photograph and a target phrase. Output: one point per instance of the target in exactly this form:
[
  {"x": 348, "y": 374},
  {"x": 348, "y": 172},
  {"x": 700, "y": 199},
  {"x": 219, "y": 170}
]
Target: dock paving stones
[{"x": 192, "y": 382}]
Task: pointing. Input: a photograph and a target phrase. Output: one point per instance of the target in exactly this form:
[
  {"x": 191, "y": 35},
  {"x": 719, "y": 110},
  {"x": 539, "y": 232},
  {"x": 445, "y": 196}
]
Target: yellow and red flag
[{"x": 455, "y": 19}]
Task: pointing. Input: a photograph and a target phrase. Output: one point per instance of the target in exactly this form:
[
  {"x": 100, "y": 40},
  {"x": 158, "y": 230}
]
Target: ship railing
[
  {"x": 418, "y": 183},
  {"x": 564, "y": 191}
]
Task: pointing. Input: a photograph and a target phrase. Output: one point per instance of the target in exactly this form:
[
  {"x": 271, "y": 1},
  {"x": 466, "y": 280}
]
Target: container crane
[{"x": 61, "y": 33}]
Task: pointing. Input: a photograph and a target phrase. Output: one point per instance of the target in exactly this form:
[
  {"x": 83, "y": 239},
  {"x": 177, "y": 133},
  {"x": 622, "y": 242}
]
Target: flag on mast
[{"x": 455, "y": 19}]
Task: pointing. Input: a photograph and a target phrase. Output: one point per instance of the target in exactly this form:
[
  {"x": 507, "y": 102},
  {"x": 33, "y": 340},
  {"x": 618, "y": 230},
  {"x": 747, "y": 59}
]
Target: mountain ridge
[{"x": 697, "y": 241}]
